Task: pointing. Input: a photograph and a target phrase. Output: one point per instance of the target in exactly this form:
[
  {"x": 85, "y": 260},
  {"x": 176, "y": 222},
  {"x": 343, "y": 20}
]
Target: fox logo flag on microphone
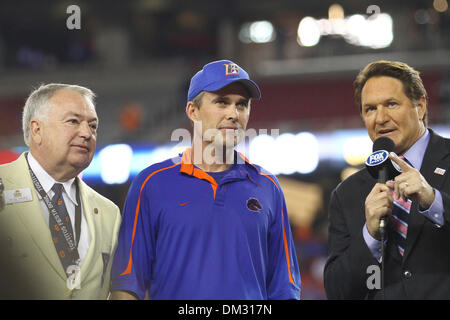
[{"x": 378, "y": 163}]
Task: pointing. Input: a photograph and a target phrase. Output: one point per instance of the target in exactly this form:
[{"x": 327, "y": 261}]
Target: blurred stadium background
[{"x": 139, "y": 55}]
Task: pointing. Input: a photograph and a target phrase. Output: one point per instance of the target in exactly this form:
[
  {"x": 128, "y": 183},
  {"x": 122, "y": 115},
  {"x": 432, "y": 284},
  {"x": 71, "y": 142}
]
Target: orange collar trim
[{"x": 188, "y": 167}]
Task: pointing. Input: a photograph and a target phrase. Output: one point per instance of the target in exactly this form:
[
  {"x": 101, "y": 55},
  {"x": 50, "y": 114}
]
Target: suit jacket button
[{"x": 407, "y": 274}]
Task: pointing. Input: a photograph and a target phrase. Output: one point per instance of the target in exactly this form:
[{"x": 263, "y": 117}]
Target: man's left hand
[{"x": 410, "y": 184}]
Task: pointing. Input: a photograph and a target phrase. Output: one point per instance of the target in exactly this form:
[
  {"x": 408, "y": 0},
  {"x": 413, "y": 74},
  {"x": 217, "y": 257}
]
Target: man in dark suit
[{"x": 393, "y": 104}]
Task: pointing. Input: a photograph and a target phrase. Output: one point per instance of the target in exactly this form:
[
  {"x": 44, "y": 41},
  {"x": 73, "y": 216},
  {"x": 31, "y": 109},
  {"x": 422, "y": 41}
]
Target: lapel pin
[
  {"x": 439, "y": 171},
  {"x": 95, "y": 210}
]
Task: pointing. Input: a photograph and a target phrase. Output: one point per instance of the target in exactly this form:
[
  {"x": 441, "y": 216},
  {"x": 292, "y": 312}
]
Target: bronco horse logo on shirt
[{"x": 253, "y": 205}]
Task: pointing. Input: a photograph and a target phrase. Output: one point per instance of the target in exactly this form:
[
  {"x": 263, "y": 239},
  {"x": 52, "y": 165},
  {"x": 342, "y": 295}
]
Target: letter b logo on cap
[{"x": 231, "y": 69}]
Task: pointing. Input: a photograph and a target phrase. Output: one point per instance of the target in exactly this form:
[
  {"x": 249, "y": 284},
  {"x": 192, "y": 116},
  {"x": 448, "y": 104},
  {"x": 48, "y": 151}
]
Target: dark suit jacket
[{"x": 424, "y": 270}]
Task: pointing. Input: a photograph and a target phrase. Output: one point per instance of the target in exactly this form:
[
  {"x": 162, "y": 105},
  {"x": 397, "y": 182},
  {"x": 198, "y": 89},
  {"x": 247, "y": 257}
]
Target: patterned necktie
[
  {"x": 61, "y": 228},
  {"x": 399, "y": 218}
]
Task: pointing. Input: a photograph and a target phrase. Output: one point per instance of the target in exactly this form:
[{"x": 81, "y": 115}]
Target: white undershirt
[{"x": 69, "y": 195}]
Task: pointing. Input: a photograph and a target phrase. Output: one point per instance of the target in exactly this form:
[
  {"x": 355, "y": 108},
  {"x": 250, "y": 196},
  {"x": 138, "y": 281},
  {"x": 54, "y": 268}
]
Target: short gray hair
[
  {"x": 36, "y": 106},
  {"x": 198, "y": 99}
]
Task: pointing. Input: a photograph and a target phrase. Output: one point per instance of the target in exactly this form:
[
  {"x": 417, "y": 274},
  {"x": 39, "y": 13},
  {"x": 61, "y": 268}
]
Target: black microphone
[{"x": 381, "y": 167}]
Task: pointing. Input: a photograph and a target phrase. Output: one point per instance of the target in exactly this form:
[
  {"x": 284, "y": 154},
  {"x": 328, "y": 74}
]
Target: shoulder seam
[
  {"x": 130, "y": 260},
  {"x": 147, "y": 175}
]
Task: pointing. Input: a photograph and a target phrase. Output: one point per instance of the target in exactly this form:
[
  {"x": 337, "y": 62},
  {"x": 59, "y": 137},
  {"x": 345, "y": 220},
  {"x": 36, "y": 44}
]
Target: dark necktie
[
  {"x": 399, "y": 218},
  {"x": 61, "y": 228}
]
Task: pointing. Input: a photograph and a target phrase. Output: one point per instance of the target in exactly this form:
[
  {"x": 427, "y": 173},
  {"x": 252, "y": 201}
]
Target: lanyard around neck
[{"x": 52, "y": 210}]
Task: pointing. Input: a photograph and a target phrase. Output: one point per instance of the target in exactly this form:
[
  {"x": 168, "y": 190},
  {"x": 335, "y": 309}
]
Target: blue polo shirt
[{"x": 186, "y": 237}]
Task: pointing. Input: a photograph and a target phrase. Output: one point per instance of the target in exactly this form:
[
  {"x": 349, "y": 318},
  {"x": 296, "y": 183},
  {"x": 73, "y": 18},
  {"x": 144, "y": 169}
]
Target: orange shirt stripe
[
  {"x": 286, "y": 249},
  {"x": 130, "y": 261},
  {"x": 263, "y": 174}
]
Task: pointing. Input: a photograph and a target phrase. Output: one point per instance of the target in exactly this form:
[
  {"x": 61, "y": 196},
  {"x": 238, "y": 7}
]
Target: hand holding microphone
[{"x": 379, "y": 202}]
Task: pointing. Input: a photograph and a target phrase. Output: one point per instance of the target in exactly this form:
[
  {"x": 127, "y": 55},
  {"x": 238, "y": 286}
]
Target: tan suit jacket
[{"x": 29, "y": 265}]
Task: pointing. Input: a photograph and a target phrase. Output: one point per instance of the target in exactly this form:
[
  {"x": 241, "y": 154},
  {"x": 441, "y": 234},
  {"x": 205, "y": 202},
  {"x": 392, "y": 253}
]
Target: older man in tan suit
[{"x": 57, "y": 235}]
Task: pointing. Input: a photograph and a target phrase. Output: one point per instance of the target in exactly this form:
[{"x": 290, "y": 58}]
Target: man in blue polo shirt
[{"x": 208, "y": 224}]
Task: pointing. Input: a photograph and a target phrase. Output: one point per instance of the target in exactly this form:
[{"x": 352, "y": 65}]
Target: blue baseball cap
[{"x": 218, "y": 74}]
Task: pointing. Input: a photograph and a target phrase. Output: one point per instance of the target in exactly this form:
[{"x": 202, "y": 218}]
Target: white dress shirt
[{"x": 69, "y": 195}]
